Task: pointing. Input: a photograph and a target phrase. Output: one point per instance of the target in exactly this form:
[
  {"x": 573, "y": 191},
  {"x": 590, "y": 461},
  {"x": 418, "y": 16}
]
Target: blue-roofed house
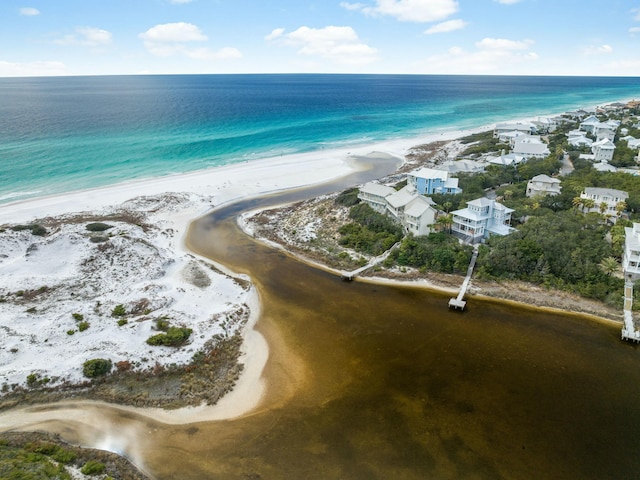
[{"x": 428, "y": 181}]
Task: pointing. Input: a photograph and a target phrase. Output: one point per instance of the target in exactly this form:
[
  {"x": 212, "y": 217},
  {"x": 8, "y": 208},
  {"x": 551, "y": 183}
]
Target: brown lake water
[{"x": 373, "y": 381}]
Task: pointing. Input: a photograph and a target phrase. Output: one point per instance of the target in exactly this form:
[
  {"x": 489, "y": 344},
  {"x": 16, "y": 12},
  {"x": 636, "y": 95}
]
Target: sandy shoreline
[{"x": 220, "y": 186}]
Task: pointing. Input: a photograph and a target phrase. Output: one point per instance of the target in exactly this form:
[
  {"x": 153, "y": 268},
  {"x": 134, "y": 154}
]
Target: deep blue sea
[{"x": 59, "y": 134}]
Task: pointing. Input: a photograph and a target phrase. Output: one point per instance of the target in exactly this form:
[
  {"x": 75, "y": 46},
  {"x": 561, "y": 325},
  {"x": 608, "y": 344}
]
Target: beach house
[
  {"x": 531, "y": 147},
  {"x": 603, "y": 150},
  {"x": 428, "y": 181},
  {"x": 542, "y": 185},
  {"x": 631, "y": 255},
  {"x": 481, "y": 218},
  {"x": 606, "y": 200},
  {"x": 415, "y": 212}
]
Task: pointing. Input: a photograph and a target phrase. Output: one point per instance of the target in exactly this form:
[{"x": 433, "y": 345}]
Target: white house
[
  {"x": 415, "y": 212},
  {"x": 375, "y": 194},
  {"x": 632, "y": 142},
  {"x": 631, "y": 255},
  {"x": 481, "y": 218},
  {"x": 428, "y": 181},
  {"x": 589, "y": 124},
  {"x": 466, "y": 166},
  {"x": 506, "y": 160},
  {"x": 502, "y": 128},
  {"x": 607, "y": 196},
  {"x": 543, "y": 185},
  {"x": 531, "y": 149},
  {"x": 603, "y": 150}
]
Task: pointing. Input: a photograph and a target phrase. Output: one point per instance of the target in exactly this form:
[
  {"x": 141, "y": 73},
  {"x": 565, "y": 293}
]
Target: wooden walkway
[
  {"x": 349, "y": 276},
  {"x": 459, "y": 302},
  {"x": 629, "y": 331}
]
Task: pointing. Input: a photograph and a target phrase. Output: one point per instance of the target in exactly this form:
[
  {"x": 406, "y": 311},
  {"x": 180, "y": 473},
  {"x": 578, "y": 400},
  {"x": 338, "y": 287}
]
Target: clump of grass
[{"x": 98, "y": 227}]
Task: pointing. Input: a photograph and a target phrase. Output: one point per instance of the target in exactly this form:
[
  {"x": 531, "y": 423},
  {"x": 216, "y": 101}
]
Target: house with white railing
[
  {"x": 482, "y": 217},
  {"x": 428, "y": 181},
  {"x": 607, "y": 201},
  {"x": 542, "y": 185}
]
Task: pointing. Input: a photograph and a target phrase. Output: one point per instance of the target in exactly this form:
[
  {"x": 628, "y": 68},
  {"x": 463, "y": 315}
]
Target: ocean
[{"x": 60, "y": 134}]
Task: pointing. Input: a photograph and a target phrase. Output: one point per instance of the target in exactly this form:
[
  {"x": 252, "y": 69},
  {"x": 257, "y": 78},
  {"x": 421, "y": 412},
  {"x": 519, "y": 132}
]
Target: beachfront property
[
  {"x": 415, "y": 212},
  {"x": 481, "y": 218},
  {"x": 542, "y": 185},
  {"x": 578, "y": 138},
  {"x": 503, "y": 128},
  {"x": 507, "y": 160},
  {"x": 531, "y": 147},
  {"x": 428, "y": 181},
  {"x": 375, "y": 195},
  {"x": 607, "y": 201}
]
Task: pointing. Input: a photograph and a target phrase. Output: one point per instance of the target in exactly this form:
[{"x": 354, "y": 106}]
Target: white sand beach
[{"x": 39, "y": 342}]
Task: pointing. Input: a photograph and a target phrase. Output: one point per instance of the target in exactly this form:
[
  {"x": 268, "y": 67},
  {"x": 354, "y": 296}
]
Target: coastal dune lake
[{"x": 372, "y": 381}]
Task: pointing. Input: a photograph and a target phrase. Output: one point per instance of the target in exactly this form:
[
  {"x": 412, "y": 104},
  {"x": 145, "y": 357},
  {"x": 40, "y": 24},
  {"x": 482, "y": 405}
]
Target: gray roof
[
  {"x": 608, "y": 192},
  {"x": 378, "y": 190}
]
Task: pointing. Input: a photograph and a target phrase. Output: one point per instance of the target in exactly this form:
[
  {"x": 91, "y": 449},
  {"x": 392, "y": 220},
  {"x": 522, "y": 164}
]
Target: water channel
[{"x": 369, "y": 381}]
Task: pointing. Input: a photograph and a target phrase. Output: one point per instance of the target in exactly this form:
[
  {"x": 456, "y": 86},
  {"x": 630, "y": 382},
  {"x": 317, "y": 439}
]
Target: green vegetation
[
  {"x": 439, "y": 252},
  {"x": 21, "y": 464},
  {"x": 482, "y": 143},
  {"x": 36, "y": 229},
  {"x": 122, "y": 321},
  {"x": 173, "y": 337},
  {"x": 78, "y": 317},
  {"x": 98, "y": 227},
  {"x": 370, "y": 232},
  {"x": 93, "y": 467},
  {"x": 118, "y": 311},
  {"x": 563, "y": 250},
  {"x": 96, "y": 367},
  {"x": 82, "y": 326},
  {"x": 348, "y": 198}
]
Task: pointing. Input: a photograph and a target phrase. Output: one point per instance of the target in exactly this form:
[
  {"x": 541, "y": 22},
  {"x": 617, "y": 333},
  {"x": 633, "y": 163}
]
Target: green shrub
[
  {"x": 31, "y": 310},
  {"x": 82, "y": 326},
  {"x": 71, "y": 332},
  {"x": 98, "y": 227},
  {"x": 174, "y": 337},
  {"x": 78, "y": 317},
  {"x": 96, "y": 367},
  {"x": 93, "y": 467},
  {"x": 38, "y": 230},
  {"x": 122, "y": 321},
  {"x": 118, "y": 311},
  {"x": 162, "y": 324},
  {"x": 33, "y": 380}
]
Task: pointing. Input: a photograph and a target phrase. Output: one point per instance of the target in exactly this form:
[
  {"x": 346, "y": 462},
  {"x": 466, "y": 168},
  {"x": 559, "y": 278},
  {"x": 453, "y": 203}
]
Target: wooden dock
[{"x": 459, "y": 302}]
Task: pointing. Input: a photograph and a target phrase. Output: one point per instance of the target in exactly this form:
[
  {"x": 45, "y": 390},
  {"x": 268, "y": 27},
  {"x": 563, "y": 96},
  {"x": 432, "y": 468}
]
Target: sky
[{"x": 497, "y": 37}]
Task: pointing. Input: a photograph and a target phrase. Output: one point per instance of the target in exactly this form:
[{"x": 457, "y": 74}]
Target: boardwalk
[
  {"x": 349, "y": 276},
  {"x": 629, "y": 331},
  {"x": 458, "y": 302}
]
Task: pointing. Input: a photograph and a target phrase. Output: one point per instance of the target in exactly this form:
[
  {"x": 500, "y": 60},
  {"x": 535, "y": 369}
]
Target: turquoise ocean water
[{"x": 68, "y": 133}]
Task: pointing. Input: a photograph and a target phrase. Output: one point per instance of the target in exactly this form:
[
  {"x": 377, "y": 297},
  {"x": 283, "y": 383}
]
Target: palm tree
[
  {"x": 621, "y": 207},
  {"x": 603, "y": 207},
  {"x": 445, "y": 221},
  {"x": 577, "y": 202},
  {"x": 609, "y": 265},
  {"x": 508, "y": 194},
  {"x": 588, "y": 204}
]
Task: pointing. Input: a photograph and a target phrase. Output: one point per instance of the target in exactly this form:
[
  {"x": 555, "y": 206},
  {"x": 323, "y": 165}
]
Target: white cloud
[
  {"x": 29, "y": 11},
  {"x": 86, "y": 37},
  {"x": 408, "y": 10},
  {"x": 276, "y": 33},
  {"x": 338, "y": 44},
  {"x": 598, "y": 50},
  {"x": 502, "y": 44},
  {"x": 173, "y": 32},
  {"x": 180, "y": 2},
  {"x": 507, "y": 2},
  {"x": 636, "y": 14},
  {"x": 492, "y": 56},
  {"x": 634, "y": 30},
  {"x": 227, "y": 53},
  {"x": 168, "y": 39},
  {"x": 31, "y": 69},
  {"x": 448, "y": 26}
]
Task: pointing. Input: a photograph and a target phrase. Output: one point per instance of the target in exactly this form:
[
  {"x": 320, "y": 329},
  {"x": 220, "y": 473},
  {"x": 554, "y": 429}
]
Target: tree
[
  {"x": 445, "y": 222},
  {"x": 588, "y": 204},
  {"x": 620, "y": 207},
  {"x": 609, "y": 265},
  {"x": 577, "y": 202}
]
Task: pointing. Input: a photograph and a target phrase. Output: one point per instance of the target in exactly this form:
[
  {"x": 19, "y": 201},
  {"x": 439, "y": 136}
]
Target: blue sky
[{"x": 519, "y": 37}]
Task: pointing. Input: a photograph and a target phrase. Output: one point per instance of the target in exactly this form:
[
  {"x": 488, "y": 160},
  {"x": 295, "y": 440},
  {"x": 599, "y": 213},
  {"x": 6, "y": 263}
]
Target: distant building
[
  {"x": 482, "y": 217},
  {"x": 502, "y": 128},
  {"x": 428, "y": 181},
  {"x": 631, "y": 256},
  {"x": 543, "y": 185}
]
